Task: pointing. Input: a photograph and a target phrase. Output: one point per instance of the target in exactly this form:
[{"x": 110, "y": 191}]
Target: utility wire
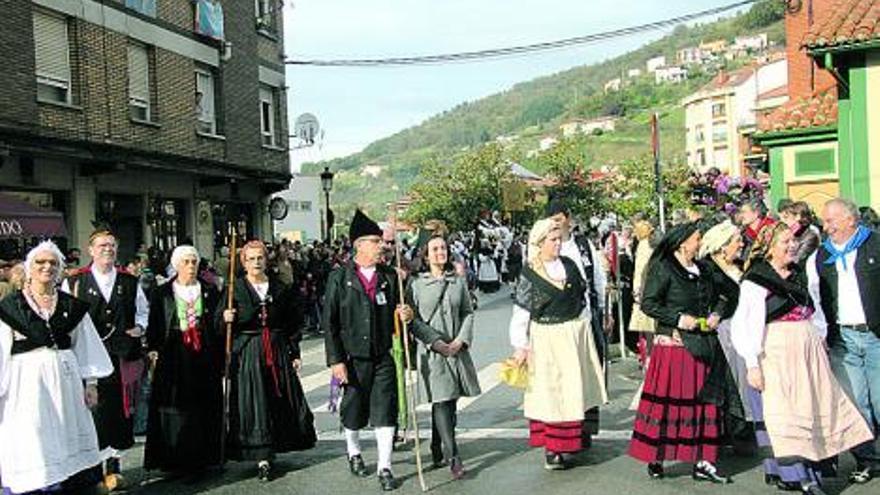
[{"x": 523, "y": 49}]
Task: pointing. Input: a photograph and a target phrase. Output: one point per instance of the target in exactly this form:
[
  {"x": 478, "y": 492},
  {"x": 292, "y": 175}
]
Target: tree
[
  {"x": 763, "y": 13},
  {"x": 565, "y": 165},
  {"x": 459, "y": 192},
  {"x": 630, "y": 188}
]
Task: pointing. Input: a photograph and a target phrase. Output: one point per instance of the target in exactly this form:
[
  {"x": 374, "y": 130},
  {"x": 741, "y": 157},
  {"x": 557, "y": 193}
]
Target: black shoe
[
  {"x": 264, "y": 470},
  {"x": 655, "y": 470},
  {"x": 812, "y": 489},
  {"x": 861, "y": 475},
  {"x": 437, "y": 460},
  {"x": 706, "y": 471},
  {"x": 357, "y": 467},
  {"x": 788, "y": 486},
  {"x": 386, "y": 480},
  {"x": 554, "y": 462}
]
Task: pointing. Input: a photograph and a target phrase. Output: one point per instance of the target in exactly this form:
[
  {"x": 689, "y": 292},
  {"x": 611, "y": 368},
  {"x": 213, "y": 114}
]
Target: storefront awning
[{"x": 21, "y": 220}]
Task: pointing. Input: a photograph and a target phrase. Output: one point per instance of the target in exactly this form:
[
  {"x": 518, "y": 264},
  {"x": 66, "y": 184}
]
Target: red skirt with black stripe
[
  {"x": 671, "y": 423},
  {"x": 560, "y": 438}
]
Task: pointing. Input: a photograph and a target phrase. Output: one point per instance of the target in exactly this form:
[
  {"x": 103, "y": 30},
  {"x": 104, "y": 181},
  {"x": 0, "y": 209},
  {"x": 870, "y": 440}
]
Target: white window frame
[
  {"x": 264, "y": 14},
  {"x": 203, "y": 118},
  {"x": 267, "y": 99},
  {"x": 140, "y": 101},
  {"x": 61, "y": 79}
]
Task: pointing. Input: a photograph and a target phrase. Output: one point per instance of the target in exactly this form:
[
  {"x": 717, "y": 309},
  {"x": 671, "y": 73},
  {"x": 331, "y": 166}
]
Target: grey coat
[{"x": 452, "y": 377}]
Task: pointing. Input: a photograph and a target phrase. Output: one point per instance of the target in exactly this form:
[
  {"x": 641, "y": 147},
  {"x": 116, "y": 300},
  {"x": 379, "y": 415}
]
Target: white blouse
[{"x": 748, "y": 324}]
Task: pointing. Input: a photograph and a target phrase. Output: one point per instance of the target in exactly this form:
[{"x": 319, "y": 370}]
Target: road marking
[
  {"x": 479, "y": 434},
  {"x": 313, "y": 382}
]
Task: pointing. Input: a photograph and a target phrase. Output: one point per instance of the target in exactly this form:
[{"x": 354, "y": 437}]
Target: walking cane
[
  {"x": 227, "y": 381},
  {"x": 405, "y": 336}
]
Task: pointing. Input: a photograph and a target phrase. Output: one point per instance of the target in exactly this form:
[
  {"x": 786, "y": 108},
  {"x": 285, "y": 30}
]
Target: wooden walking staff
[
  {"x": 405, "y": 336},
  {"x": 227, "y": 380}
]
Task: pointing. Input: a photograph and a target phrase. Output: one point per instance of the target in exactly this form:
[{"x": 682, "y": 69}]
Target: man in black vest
[
  {"x": 845, "y": 276},
  {"x": 358, "y": 324},
  {"x": 120, "y": 312}
]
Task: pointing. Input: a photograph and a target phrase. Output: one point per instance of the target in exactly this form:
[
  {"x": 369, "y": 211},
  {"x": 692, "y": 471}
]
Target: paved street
[{"x": 492, "y": 437}]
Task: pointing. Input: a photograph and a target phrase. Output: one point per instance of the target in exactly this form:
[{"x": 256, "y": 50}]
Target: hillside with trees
[{"x": 530, "y": 111}]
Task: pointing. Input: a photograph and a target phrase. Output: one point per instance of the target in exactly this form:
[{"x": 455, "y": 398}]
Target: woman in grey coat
[{"x": 444, "y": 323}]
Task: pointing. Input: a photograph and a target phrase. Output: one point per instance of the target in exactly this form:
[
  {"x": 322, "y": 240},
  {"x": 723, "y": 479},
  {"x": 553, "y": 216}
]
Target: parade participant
[
  {"x": 799, "y": 218},
  {"x": 678, "y": 417},
  {"x": 120, "y": 311},
  {"x": 268, "y": 409},
  {"x": 550, "y": 331},
  {"x": 779, "y": 332},
  {"x": 184, "y": 424},
  {"x": 843, "y": 275},
  {"x": 587, "y": 259},
  {"x": 752, "y": 218},
  {"x": 639, "y": 322},
  {"x": 720, "y": 249},
  {"x": 445, "y": 325},
  {"x": 358, "y": 325},
  {"x": 48, "y": 350},
  {"x": 487, "y": 271}
]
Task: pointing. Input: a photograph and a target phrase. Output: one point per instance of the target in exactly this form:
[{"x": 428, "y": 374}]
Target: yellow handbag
[{"x": 515, "y": 375}]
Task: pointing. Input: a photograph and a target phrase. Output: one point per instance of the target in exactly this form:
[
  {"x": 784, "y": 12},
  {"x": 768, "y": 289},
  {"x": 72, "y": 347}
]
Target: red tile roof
[
  {"x": 728, "y": 79},
  {"x": 819, "y": 110},
  {"x": 850, "y": 21},
  {"x": 774, "y": 93}
]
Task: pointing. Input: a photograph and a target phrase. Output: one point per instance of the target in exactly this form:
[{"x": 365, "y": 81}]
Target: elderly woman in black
[{"x": 685, "y": 389}]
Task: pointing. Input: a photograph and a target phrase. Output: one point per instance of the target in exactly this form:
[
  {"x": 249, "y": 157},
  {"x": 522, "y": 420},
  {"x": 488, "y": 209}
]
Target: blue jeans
[{"x": 858, "y": 354}]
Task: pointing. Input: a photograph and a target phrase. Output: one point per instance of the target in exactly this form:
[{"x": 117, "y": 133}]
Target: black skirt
[
  {"x": 186, "y": 414},
  {"x": 268, "y": 411}
]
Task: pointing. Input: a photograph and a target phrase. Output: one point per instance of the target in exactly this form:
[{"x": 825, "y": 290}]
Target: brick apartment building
[{"x": 165, "y": 118}]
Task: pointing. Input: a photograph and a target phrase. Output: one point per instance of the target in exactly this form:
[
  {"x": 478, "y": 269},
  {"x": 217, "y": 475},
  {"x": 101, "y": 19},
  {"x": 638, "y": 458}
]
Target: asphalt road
[{"x": 492, "y": 438}]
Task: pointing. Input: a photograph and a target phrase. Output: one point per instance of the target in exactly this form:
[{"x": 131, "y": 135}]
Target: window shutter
[
  {"x": 51, "y": 49},
  {"x": 138, "y": 74}
]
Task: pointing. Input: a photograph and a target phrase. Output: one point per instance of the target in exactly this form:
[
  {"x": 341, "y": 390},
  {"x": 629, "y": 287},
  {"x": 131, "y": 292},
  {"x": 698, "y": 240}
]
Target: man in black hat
[
  {"x": 120, "y": 311},
  {"x": 359, "y": 311}
]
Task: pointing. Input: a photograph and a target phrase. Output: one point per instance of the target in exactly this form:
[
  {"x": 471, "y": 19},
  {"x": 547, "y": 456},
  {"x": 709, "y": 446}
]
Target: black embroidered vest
[
  {"x": 547, "y": 303},
  {"x": 34, "y": 332},
  {"x": 111, "y": 318}
]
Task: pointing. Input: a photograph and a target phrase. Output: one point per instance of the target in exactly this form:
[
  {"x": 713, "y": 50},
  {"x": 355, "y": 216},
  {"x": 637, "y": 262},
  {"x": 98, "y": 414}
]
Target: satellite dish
[{"x": 307, "y": 129}]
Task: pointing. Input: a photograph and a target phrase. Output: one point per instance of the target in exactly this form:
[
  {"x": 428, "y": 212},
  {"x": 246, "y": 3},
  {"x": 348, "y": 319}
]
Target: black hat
[
  {"x": 555, "y": 206},
  {"x": 362, "y": 226}
]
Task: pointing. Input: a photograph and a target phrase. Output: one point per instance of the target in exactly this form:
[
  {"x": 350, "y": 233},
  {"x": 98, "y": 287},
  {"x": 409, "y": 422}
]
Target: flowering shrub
[{"x": 718, "y": 191}]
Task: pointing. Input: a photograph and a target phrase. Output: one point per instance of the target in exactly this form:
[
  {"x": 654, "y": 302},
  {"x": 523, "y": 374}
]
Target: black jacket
[
  {"x": 355, "y": 327},
  {"x": 726, "y": 288},
  {"x": 671, "y": 291},
  {"x": 868, "y": 275}
]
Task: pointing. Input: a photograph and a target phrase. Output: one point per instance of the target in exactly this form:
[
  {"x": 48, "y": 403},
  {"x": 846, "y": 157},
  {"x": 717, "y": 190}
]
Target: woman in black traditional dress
[
  {"x": 268, "y": 409},
  {"x": 183, "y": 429}
]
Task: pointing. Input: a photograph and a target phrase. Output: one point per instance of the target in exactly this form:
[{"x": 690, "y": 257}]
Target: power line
[{"x": 523, "y": 49}]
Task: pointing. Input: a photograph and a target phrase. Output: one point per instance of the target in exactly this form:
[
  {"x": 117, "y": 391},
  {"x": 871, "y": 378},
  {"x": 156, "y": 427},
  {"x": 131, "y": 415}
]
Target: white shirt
[
  {"x": 367, "y": 272},
  {"x": 571, "y": 250},
  {"x": 849, "y": 300},
  {"x": 262, "y": 289}
]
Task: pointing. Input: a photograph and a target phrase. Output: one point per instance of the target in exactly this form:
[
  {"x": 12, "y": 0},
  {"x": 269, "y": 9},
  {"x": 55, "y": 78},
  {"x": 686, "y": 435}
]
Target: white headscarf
[
  {"x": 717, "y": 237},
  {"x": 181, "y": 252},
  {"x": 52, "y": 248},
  {"x": 537, "y": 235}
]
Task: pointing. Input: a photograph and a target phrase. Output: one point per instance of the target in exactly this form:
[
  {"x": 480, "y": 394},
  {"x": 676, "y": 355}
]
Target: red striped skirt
[
  {"x": 671, "y": 423},
  {"x": 560, "y": 438}
]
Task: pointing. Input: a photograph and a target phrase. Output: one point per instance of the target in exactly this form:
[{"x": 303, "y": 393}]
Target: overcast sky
[{"x": 357, "y": 106}]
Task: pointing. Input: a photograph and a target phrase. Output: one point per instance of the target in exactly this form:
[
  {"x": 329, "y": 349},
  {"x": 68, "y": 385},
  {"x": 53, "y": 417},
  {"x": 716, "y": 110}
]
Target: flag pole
[{"x": 405, "y": 336}]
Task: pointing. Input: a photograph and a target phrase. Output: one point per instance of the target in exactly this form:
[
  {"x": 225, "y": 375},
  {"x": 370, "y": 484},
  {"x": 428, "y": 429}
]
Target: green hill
[{"x": 535, "y": 109}]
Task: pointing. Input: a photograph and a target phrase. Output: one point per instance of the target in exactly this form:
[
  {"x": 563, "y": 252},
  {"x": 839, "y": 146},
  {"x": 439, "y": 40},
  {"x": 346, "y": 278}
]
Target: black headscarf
[{"x": 670, "y": 242}]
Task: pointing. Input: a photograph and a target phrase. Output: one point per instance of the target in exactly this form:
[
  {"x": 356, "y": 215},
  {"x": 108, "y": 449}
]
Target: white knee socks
[
  {"x": 385, "y": 445},
  {"x": 353, "y": 442}
]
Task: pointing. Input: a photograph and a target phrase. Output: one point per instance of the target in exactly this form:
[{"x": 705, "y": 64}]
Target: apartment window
[
  {"x": 206, "y": 115},
  {"x": 305, "y": 206},
  {"x": 139, "y": 83},
  {"x": 701, "y": 158},
  {"x": 719, "y": 110},
  {"x": 699, "y": 135},
  {"x": 265, "y": 13},
  {"x": 719, "y": 134},
  {"x": 146, "y": 7},
  {"x": 267, "y": 115},
  {"x": 52, "y": 54}
]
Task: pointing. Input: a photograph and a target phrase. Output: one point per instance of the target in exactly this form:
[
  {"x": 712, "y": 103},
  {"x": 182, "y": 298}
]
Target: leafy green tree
[
  {"x": 565, "y": 165},
  {"x": 630, "y": 187},
  {"x": 763, "y": 13}
]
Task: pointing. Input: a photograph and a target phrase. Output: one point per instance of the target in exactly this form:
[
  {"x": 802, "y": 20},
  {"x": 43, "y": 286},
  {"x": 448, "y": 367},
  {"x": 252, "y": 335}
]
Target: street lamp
[{"x": 327, "y": 186}]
